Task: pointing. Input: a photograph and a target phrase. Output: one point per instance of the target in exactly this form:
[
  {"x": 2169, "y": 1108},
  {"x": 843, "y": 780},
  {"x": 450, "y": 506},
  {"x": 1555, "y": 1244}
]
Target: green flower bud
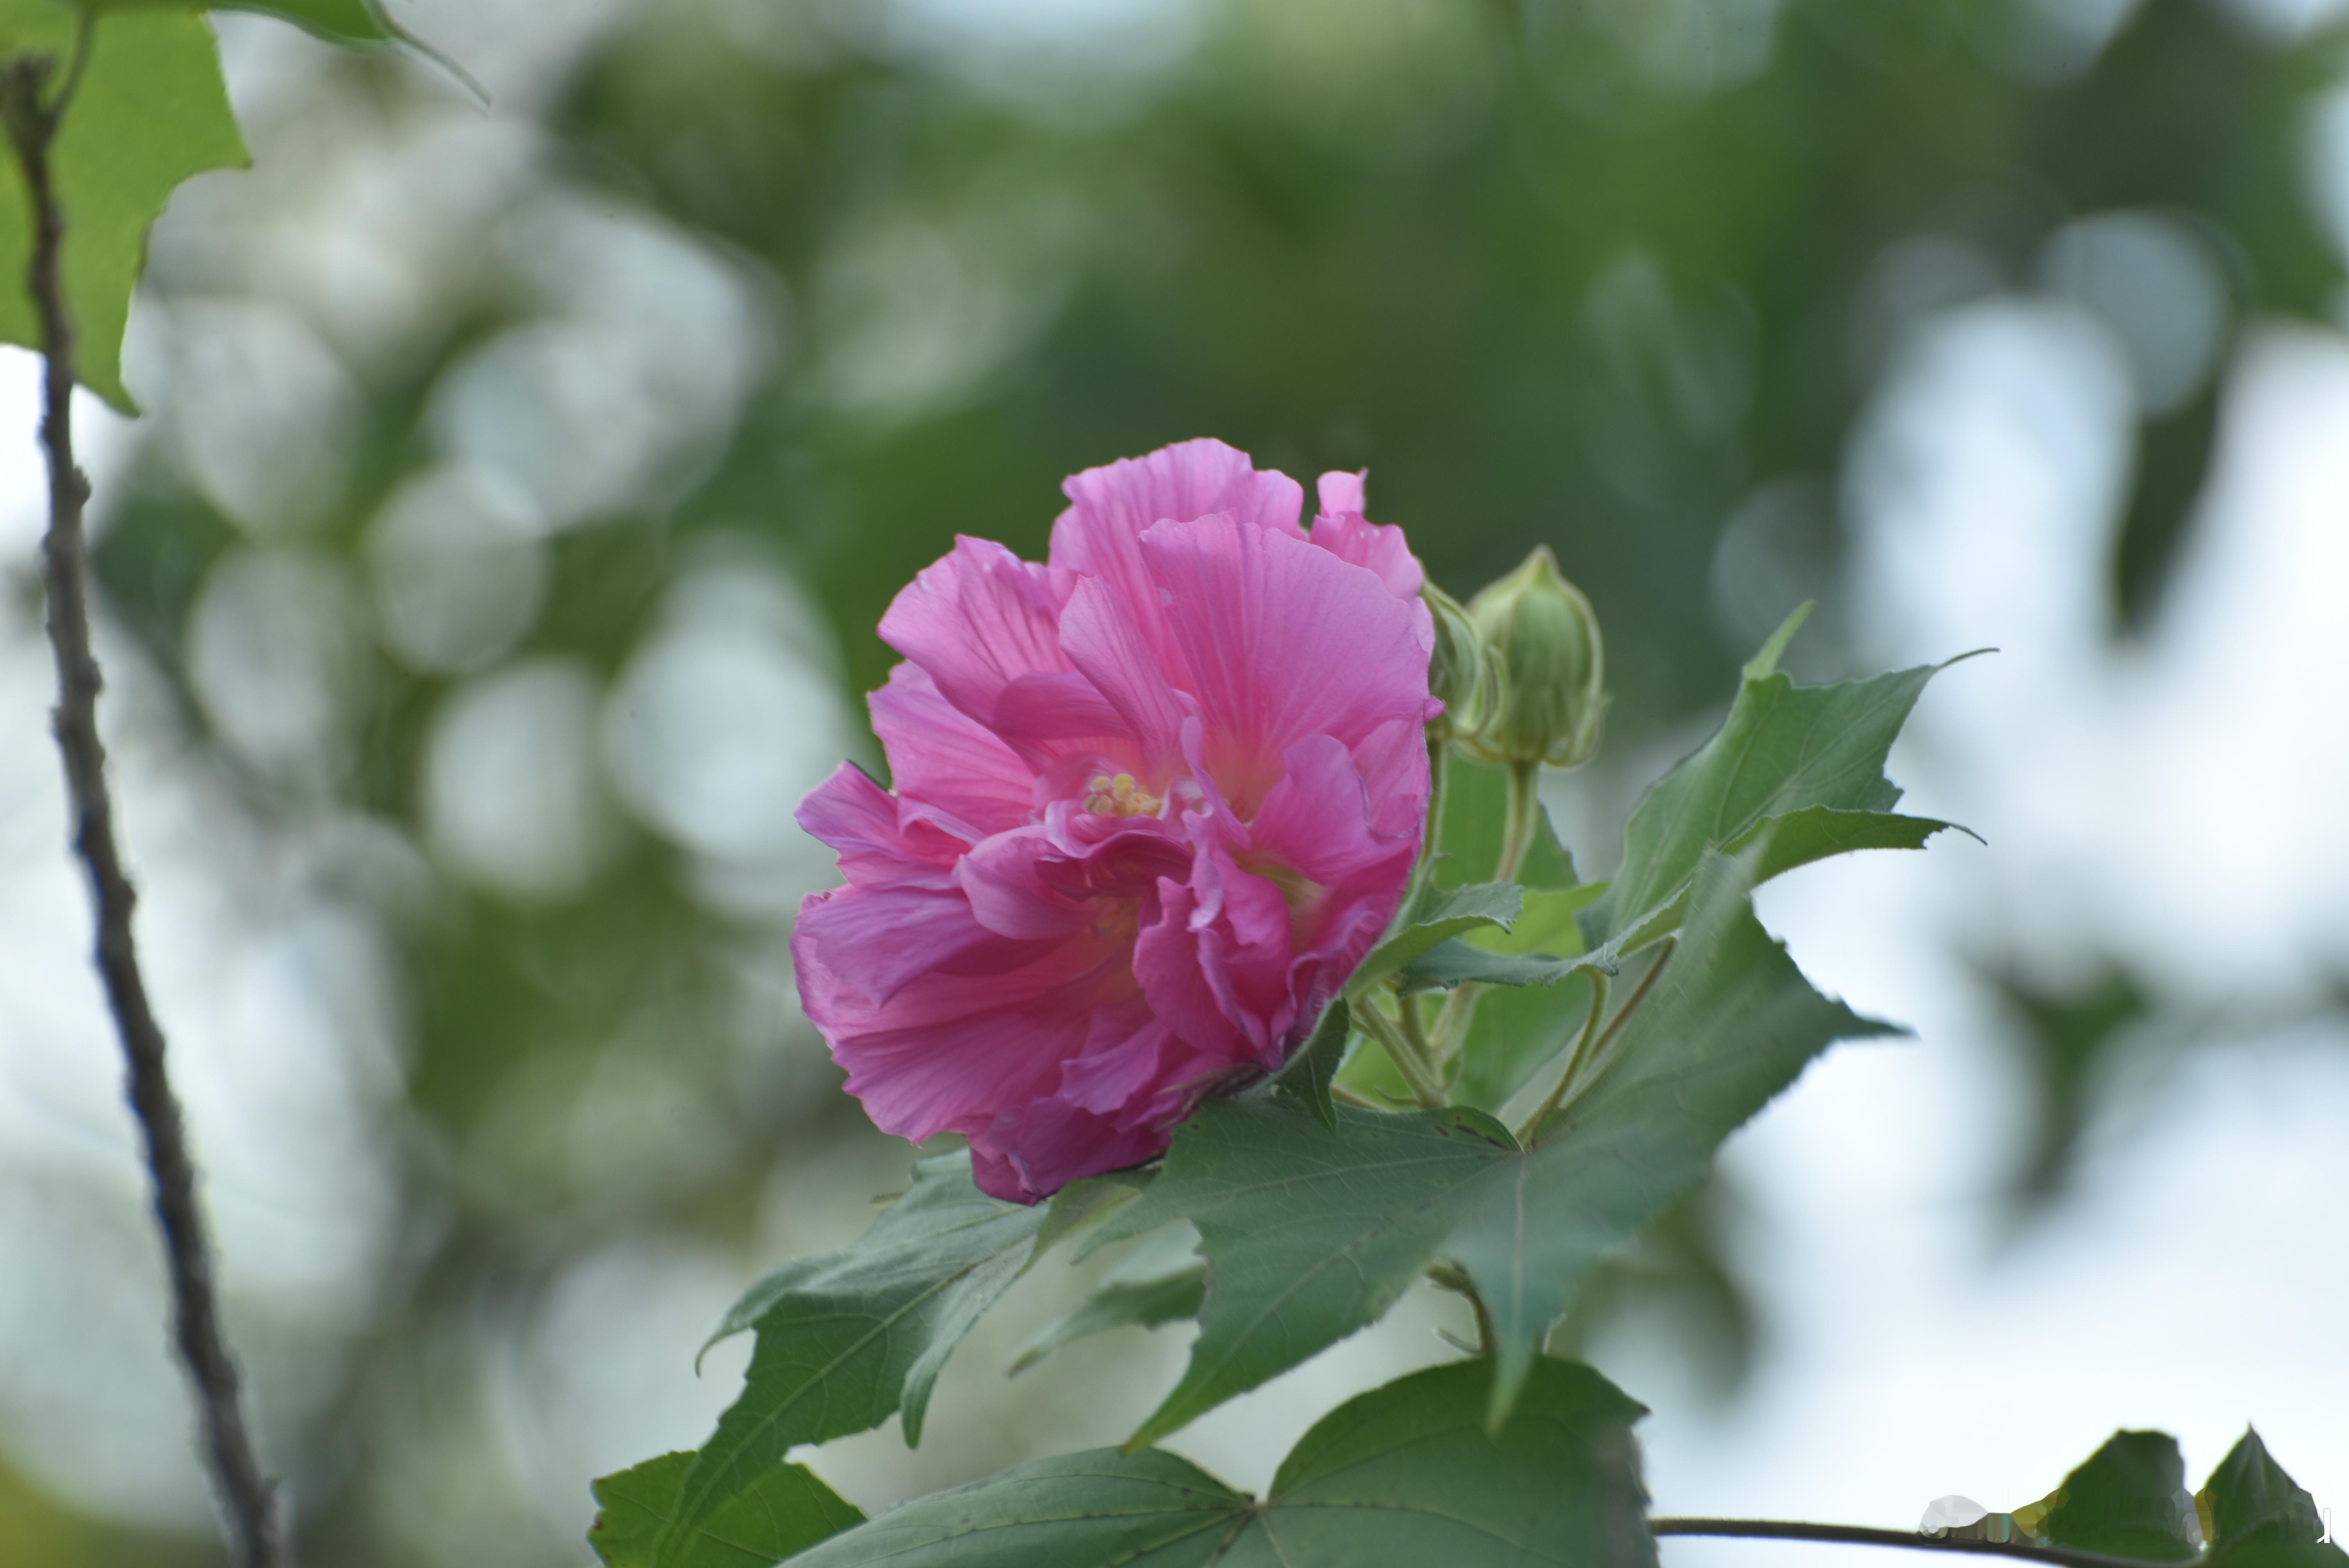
[
  {"x": 1462, "y": 672},
  {"x": 1547, "y": 637}
]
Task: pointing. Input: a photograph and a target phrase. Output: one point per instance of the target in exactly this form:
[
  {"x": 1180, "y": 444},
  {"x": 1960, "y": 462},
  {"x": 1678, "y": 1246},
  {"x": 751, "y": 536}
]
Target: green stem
[
  {"x": 1584, "y": 1068},
  {"x": 1414, "y": 1068},
  {"x": 1451, "y": 1277},
  {"x": 1459, "y": 1011},
  {"x": 1585, "y": 1046},
  {"x": 1439, "y": 773},
  {"x": 1525, "y": 810}
]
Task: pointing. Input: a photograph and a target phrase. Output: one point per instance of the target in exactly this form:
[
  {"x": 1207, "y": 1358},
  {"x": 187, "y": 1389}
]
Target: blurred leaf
[
  {"x": 2173, "y": 457},
  {"x": 1477, "y": 822},
  {"x": 1406, "y": 1473},
  {"x": 1306, "y": 1079},
  {"x": 2257, "y": 1517},
  {"x": 2068, "y": 1038},
  {"x": 150, "y": 110},
  {"x": 1441, "y": 915},
  {"x": 1311, "y": 1234},
  {"x": 1812, "y": 754},
  {"x": 785, "y": 1509},
  {"x": 846, "y": 1338},
  {"x": 1169, "y": 1297},
  {"x": 2129, "y": 1500}
]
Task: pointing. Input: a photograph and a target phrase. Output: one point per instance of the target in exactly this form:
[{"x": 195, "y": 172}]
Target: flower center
[{"x": 1117, "y": 795}]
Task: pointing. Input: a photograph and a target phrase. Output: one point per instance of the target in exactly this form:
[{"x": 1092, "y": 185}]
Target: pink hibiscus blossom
[{"x": 1155, "y": 799}]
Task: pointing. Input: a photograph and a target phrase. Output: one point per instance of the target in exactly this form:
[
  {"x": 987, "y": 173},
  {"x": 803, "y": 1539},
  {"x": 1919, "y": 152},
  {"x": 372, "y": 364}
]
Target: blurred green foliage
[{"x": 1592, "y": 273}]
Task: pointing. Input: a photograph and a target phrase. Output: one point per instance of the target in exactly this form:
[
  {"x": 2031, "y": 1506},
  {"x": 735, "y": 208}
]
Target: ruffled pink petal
[
  {"x": 1125, "y": 1061},
  {"x": 1244, "y": 953},
  {"x": 1167, "y": 966},
  {"x": 1100, "y": 639},
  {"x": 873, "y": 941},
  {"x": 978, "y": 619},
  {"x": 951, "y": 1051},
  {"x": 1097, "y": 537},
  {"x": 1032, "y": 1150},
  {"x": 942, "y": 756},
  {"x": 859, "y": 819},
  {"x": 1044, "y": 718},
  {"x": 1377, "y": 546},
  {"x": 1340, "y": 491},
  {"x": 1007, "y": 895},
  {"x": 1392, "y": 763},
  {"x": 1282, "y": 641},
  {"x": 1316, "y": 822}
]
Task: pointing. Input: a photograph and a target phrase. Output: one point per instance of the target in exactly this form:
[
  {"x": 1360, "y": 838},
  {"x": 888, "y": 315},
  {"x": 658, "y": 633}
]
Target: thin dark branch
[
  {"x": 245, "y": 1492},
  {"x": 1910, "y": 1539}
]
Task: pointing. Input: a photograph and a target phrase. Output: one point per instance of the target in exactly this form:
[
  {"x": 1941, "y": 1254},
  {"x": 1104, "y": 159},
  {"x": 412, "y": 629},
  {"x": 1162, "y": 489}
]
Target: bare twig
[
  {"x": 245, "y": 1492},
  {"x": 1861, "y": 1535}
]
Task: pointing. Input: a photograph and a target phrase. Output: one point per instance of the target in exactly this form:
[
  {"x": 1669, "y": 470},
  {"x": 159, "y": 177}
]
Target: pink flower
[{"x": 1155, "y": 799}]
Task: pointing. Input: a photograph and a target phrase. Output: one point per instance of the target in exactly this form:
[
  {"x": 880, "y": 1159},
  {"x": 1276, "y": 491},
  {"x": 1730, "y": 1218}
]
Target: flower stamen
[{"x": 1119, "y": 796}]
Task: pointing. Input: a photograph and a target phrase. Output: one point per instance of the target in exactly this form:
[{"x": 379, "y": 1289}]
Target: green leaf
[
  {"x": 1443, "y": 914},
  {"x": 848, "y": 1337},
  {"x": 1164, "y": 1283},
  {"x": 150, "y": 112},
  {"x": 1456, "y": 963},
  {"x": 2129, "y": 1500},
  {"x": 1814, "y": 754},
  {"x": 1306, "y": 1079},
  {"x": 1729, "y": 1022},
  {"x": 336, "y": 21},
  {"x": 1406, "y": 1473},
  {"x": 1477, "y": 822},
  {"x": 1083, "y": 1203},
  {"x": 2257, "y": 1517},
  {"x": 1310, "y": 1234},
  {"x": 785, "y": 1509}
]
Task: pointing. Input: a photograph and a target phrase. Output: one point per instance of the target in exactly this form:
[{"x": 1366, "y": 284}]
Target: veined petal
[
  {"x": 1167, "y": 966},
  {"x": 978, "y": 619},
  {"x": 1316, "y": 822},
  {"x": 1282, "y": 641},
  {"x": 941, "y": 756},
  {"x": 1378, "y": 546},
  {"x": 859, "y": 821},
  {"x": 1115, "y": 656},
  {"x": 1394, "y": 764},
  {"x": 1111, "y": 507},
  {"x": 870, "y": 942},
  {"x": 952, "y": 1050},
  {"x": 1010, "y": 897}
]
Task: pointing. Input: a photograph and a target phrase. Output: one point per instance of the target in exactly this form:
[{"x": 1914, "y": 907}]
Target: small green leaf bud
[
  {"x": 1462, "y": 673},
  {"x": 1547, "y": 637}
]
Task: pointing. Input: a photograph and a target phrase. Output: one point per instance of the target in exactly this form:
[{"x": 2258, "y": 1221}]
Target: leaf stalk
[
  {"x": 1914, "y": 1541},
  {"x": 1417, "y": 1071}
]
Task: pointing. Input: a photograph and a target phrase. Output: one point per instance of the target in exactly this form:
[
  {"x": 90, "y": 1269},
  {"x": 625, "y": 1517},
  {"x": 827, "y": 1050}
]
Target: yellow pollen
[{"x": 1118, "y": 797}]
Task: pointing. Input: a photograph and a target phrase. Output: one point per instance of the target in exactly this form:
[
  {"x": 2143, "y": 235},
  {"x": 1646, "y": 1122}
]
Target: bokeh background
[{"x": 497, "y": 560}]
